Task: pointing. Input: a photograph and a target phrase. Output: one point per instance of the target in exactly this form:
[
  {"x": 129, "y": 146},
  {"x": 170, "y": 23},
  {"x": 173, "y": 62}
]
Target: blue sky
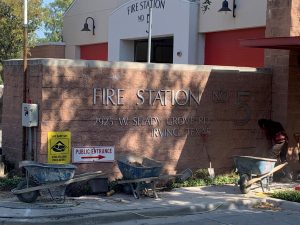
[
  {"x": 45, "y": 2},
  {"x": 39, "y": 32}
]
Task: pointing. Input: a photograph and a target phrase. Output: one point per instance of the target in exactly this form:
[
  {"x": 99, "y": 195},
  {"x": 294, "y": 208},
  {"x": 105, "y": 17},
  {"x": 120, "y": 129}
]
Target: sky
[
  {"x": 39, "y": 32},
  {"x": 47, "y": 1}
]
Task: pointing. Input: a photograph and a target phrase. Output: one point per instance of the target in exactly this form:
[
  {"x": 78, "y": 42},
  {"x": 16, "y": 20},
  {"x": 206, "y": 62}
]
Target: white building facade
[{"x": 182, "y": 33}]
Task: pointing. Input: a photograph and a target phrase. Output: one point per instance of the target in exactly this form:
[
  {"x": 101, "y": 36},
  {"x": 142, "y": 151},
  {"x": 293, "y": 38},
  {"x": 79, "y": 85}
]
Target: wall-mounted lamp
[
  {"x": 225, "y": 7},
  {"x": 179, "y": 53},
  {"x": 86, "y": 26}
]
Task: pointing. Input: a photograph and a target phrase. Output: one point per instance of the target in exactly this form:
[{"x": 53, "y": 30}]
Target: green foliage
[
  {"x": 201, "y": 174},
  {"x": 8, "y": 183},
  {"x": 191, "y": 182},
  {"x": 54, "y": 19},
  {"x": 201, "y": 178},
  {"x": 288, "y": 195},
  {"x": 36, "y": 14},
  {"x": 230, "y": 178},
  {"x": 11, "y": 26},
  {"x": 10, "y": 35}
]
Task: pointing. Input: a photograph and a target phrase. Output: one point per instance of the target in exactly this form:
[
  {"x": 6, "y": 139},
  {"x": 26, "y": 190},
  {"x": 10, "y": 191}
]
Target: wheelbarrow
[
  {"x": 53, "y": 178},
  {"x": 254, "y": 169},
  {"x": 140, "y": 173}
]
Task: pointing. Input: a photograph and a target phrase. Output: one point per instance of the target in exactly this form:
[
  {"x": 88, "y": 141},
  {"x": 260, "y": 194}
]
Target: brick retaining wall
[{"x": 223, "y": 122}]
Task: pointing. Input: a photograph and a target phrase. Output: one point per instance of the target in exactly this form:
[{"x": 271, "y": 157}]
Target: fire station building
[
  {"x": 172, "y": 113},
  {"x": 182, "y": 31}
]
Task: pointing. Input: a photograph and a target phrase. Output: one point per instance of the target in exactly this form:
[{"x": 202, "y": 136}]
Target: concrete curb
[
  {"x": 126, "y": 215},
  {"x": 287, "y": 205},
  {"x": 186, "y": 201}
]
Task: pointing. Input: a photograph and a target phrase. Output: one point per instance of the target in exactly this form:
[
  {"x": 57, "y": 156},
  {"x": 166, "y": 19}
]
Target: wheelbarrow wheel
[
  {"x": 244, "y": 188},
  {"x": 27, "y": 197}
]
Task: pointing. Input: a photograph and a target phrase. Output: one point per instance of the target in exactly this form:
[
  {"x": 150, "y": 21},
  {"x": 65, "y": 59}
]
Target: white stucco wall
[
  {"x": 249, "y": 13},
  {"x": 171, "y": 18},
  {"x": 74, "y": 20},
  {"x": 180, "y": 18}
]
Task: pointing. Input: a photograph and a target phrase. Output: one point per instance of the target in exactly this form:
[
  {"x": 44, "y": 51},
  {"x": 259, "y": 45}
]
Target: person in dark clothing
[{"x": 275, "y": 132}]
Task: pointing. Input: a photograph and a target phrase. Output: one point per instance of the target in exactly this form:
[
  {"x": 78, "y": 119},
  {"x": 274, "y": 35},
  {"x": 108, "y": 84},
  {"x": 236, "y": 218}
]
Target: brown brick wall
[
  {"x": 283, "y": 18},
  {"x": 295, "y": 18},
  {"x": 48, "y": 51},
  {"x": 231, "y": 102},
  {"x": 278, "y": 24},
  {"x": 294, "y": 108},
  {"x": 283, "y": 21}
]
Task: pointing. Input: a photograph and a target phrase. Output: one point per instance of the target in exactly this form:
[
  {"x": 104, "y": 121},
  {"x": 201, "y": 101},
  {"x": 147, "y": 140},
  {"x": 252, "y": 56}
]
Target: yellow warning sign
[{"x": 59, "y": 147}]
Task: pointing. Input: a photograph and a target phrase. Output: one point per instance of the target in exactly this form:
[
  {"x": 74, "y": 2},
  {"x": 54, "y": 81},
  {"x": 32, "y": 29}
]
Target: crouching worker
[{"x": 276, "y": 134}]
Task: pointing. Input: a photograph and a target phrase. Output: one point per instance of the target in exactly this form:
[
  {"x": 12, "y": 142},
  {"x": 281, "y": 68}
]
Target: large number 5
[{"x": 242, "y": 106}]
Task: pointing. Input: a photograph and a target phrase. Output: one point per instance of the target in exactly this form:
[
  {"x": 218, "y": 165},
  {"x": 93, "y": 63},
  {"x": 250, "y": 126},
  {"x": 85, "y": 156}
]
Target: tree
[
  {"x": 53, "y": 23},
  {"x": 11, "y": 26},
  {"x": 10, "y": 35}
]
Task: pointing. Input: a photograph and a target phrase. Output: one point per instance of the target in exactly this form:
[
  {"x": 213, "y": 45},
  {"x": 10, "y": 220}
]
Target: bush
[
  {"x": 191, "y": 182},
  {"x": 201, "y": 178},
  {"x": 8, "y": 183},
  {"x": 288, "y": 195},
  {"x": 201, "y": 174},
  {"x": 230, "y": 178}
]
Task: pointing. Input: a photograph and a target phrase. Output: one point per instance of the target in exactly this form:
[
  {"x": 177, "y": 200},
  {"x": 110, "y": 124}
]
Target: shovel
[{"x": 211, "y": 171}]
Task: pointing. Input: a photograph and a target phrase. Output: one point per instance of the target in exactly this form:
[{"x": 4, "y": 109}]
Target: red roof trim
[{"x": 288, "y": 43}]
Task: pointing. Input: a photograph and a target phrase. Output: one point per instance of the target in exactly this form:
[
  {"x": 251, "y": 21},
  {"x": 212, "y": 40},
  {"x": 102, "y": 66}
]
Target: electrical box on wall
[{"x": 29, "y": 115}]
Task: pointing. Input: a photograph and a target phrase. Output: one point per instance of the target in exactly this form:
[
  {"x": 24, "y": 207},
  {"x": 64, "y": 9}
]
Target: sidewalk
[{"x": 121, "y": 207}]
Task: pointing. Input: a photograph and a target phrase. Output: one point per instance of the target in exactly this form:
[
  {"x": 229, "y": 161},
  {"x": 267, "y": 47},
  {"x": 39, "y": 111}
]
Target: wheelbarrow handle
[
  {"x": 275, "y": 169},
  {"x": 78, "y": 178}
]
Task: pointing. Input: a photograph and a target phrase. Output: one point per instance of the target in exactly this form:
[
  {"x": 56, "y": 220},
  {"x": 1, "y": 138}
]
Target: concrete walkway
[{"x": 121, "y": 207}]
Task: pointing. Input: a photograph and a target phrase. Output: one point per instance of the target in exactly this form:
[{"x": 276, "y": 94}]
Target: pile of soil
[
  {"x": 136, "y": 164},
  {"x": 6, "y": 194}
]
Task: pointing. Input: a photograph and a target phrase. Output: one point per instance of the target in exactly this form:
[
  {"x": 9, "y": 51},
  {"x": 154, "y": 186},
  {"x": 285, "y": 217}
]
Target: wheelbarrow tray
[
  {"x": 144, "y": 184},
  {"x": 255, "y": 169},
  {"x": 135, "y": 167},
  {"x": 48, "y": 176},
  {"x": 77, "y": 178},
  {"x": 253, "y": 165},
  {"x": 46, "y": 173}
]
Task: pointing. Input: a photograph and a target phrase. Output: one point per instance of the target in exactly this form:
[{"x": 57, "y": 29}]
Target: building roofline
[
  {"x": 51, "y": 43},
  {"x": 121, "y": 6},
  {"x": 71, "y": 6},
  {"x": 133, "y": 65}
]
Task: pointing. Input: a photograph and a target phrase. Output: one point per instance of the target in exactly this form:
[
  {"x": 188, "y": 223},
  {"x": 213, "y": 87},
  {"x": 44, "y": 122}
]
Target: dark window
[{"x": 161, "y": 50}]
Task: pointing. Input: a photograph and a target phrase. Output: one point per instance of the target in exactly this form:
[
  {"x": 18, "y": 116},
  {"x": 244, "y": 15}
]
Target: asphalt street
[{"x": 240, "y": 216}]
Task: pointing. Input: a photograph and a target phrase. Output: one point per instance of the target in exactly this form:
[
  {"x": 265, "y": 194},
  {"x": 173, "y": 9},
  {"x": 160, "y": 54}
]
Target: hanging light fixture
[
  {"x": 86, "y": 25},
  {"x": 225, "y": 7}
]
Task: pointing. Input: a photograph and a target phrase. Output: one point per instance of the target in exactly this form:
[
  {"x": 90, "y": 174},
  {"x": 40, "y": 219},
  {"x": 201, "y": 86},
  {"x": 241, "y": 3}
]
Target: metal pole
[
  {"x": 149, "y": 35},
  {"x": 34, "y": 143},
  {"x": 29, "y": 151},
  {"x": 25, "y": 53}
]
